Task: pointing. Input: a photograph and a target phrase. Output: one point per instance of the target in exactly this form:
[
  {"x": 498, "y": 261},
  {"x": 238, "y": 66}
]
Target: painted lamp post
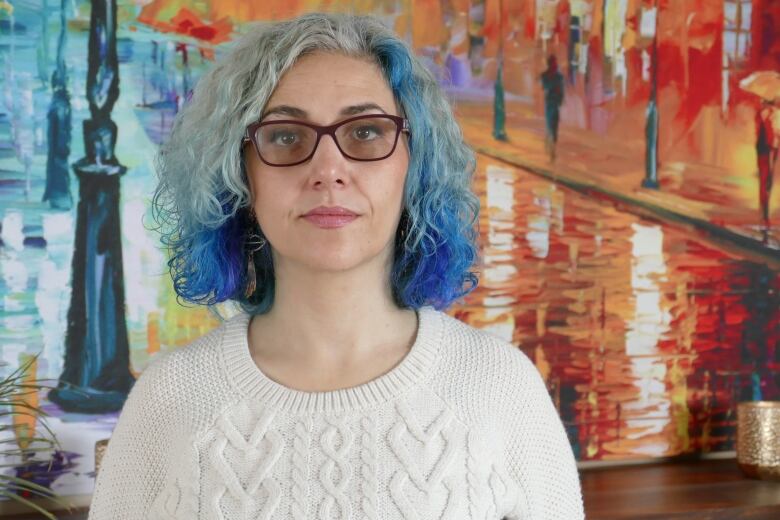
[
  {"x": 96, "y": 377},
  {"x": 499, "y": 110},
  {"x": 649, "y": 28},
  {"x": 59, "y": 128}
]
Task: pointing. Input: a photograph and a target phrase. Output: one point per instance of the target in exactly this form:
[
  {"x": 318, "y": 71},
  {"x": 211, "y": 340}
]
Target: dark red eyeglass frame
[{"x": 401, "y": 125}]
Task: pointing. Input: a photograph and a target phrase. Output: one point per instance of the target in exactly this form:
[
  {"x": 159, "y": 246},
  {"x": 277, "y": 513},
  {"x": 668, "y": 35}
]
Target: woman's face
[{"x": 323, "y": 89}]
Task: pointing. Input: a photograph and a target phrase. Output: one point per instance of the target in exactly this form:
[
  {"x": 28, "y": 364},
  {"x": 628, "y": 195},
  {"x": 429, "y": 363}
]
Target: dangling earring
[
  {"x": 404, "y": 225},
  {"x": 254, "y": 242}
]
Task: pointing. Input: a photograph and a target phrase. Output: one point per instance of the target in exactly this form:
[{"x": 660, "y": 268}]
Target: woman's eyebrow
[
  {"x": 286, "y": 110},
  {"x": 357, "y": 109},
  {"x": 298, "y": 113}
]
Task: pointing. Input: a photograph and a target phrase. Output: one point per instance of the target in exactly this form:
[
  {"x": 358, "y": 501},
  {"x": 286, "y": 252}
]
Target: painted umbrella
[{"x": 763, "y": 83}]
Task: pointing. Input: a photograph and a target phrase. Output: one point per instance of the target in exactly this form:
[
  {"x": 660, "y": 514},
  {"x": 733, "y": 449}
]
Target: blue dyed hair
[{"x": 202, "y": 199}]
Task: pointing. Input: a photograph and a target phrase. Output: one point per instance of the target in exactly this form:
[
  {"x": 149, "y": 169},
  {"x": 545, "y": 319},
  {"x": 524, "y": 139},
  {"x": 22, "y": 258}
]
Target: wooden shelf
[
  {"x": 75, "y": 514},
  {"x": 700, "y": 489}
]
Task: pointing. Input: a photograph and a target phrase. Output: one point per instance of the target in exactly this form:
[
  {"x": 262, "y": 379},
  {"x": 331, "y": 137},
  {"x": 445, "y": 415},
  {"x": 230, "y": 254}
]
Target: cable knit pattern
[
  {"x": 368, "y": 468},
  {"x": 300, "y": 468},
  {"x": 472, "y": 477},
  {"x": 462, "y": 428},
  {"x": 336, "y": 487}
]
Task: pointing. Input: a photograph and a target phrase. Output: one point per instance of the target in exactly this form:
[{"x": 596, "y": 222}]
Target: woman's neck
[{"x": 332, "y": 318}]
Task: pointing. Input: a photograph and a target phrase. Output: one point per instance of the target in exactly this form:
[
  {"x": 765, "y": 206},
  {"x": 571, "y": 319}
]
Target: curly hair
[{"x": 201, "y": 200}]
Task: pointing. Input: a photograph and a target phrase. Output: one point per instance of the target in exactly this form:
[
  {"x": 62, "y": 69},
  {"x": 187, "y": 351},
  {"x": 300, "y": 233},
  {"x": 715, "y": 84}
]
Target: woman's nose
[{"x": 328, "y": 165}]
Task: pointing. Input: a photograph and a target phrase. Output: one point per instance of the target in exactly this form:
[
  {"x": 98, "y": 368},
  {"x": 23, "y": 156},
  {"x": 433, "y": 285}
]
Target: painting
[{"x": 629, "y": 233}]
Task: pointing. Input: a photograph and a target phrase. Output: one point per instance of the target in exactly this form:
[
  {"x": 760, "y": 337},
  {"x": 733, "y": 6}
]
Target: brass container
[
  {"x": 100, "y": 449},
  {"x": 758, "y": 439}
]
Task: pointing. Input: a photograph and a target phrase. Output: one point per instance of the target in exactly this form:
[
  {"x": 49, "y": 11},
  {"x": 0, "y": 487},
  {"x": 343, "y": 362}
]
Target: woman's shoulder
[
  {"x": 479, "y": 370},
  {"x": 189, "y": 374},
  {"x": 477, "y": 347},
  {"x": 196, "y": 353}
]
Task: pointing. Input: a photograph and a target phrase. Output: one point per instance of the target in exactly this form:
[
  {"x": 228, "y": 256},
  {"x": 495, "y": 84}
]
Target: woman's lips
[{"x": 329, "y": 221}]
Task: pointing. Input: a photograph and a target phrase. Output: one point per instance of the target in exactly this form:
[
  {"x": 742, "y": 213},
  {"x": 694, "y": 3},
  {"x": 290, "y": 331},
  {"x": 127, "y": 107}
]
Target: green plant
[{"x": 19, "y": 415}]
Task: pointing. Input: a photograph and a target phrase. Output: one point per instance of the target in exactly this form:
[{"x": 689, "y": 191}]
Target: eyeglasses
[{"x": 362, "y": 138}]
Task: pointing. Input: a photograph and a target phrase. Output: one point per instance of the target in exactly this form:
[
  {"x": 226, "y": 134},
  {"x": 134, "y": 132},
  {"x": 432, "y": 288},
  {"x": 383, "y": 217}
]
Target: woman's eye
[
  {"x": 283, "y": 138},
  {"x": 365, "y": 133}
]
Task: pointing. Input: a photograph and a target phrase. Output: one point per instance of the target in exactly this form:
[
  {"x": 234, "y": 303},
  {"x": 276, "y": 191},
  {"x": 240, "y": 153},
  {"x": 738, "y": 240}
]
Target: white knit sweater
[{"x": 461, "y": 429}]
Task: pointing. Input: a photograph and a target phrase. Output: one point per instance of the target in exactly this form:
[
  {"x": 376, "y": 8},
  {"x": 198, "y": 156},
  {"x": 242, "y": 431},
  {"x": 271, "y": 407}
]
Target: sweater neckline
[{"x": 251, "y": 381}]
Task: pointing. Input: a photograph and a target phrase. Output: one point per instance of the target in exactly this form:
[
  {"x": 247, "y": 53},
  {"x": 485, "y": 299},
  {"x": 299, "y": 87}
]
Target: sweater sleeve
[
  {"x": 134, "y": 464},
  {"x": 540, "y": 457}
]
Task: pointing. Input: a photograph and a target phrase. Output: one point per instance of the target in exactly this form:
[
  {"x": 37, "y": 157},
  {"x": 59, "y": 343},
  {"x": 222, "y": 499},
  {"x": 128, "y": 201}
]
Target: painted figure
[
  {"x": 767, "y": 147},
  {"x": 552, "y": 84}
]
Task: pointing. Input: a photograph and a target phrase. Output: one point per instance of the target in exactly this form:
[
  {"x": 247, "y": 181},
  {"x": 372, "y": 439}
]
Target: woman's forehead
[{"x": 332, "y": 82}]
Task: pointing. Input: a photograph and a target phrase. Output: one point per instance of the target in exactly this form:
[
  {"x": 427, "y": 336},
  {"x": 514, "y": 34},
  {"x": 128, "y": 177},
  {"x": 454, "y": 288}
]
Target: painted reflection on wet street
[{"x": 646, "y": 335}]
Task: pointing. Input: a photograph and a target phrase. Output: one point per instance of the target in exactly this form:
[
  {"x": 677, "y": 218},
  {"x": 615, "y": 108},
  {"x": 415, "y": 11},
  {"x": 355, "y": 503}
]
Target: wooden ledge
[{"x": 698, "y": 489}]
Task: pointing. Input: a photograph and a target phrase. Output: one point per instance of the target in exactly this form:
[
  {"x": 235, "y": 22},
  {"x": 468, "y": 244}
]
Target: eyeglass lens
[{"x": 363, "y": 139}]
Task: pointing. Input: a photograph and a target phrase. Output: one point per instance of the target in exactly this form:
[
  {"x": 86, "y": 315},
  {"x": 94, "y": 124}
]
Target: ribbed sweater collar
[{"x": 253, "y": 383}]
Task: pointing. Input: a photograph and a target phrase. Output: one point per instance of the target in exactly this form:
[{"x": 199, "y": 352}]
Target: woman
[{"x": 318, "y": 178}]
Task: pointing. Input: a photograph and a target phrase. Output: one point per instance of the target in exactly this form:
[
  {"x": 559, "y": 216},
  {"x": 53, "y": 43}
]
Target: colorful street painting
[{"x": 629, "y": 231}]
